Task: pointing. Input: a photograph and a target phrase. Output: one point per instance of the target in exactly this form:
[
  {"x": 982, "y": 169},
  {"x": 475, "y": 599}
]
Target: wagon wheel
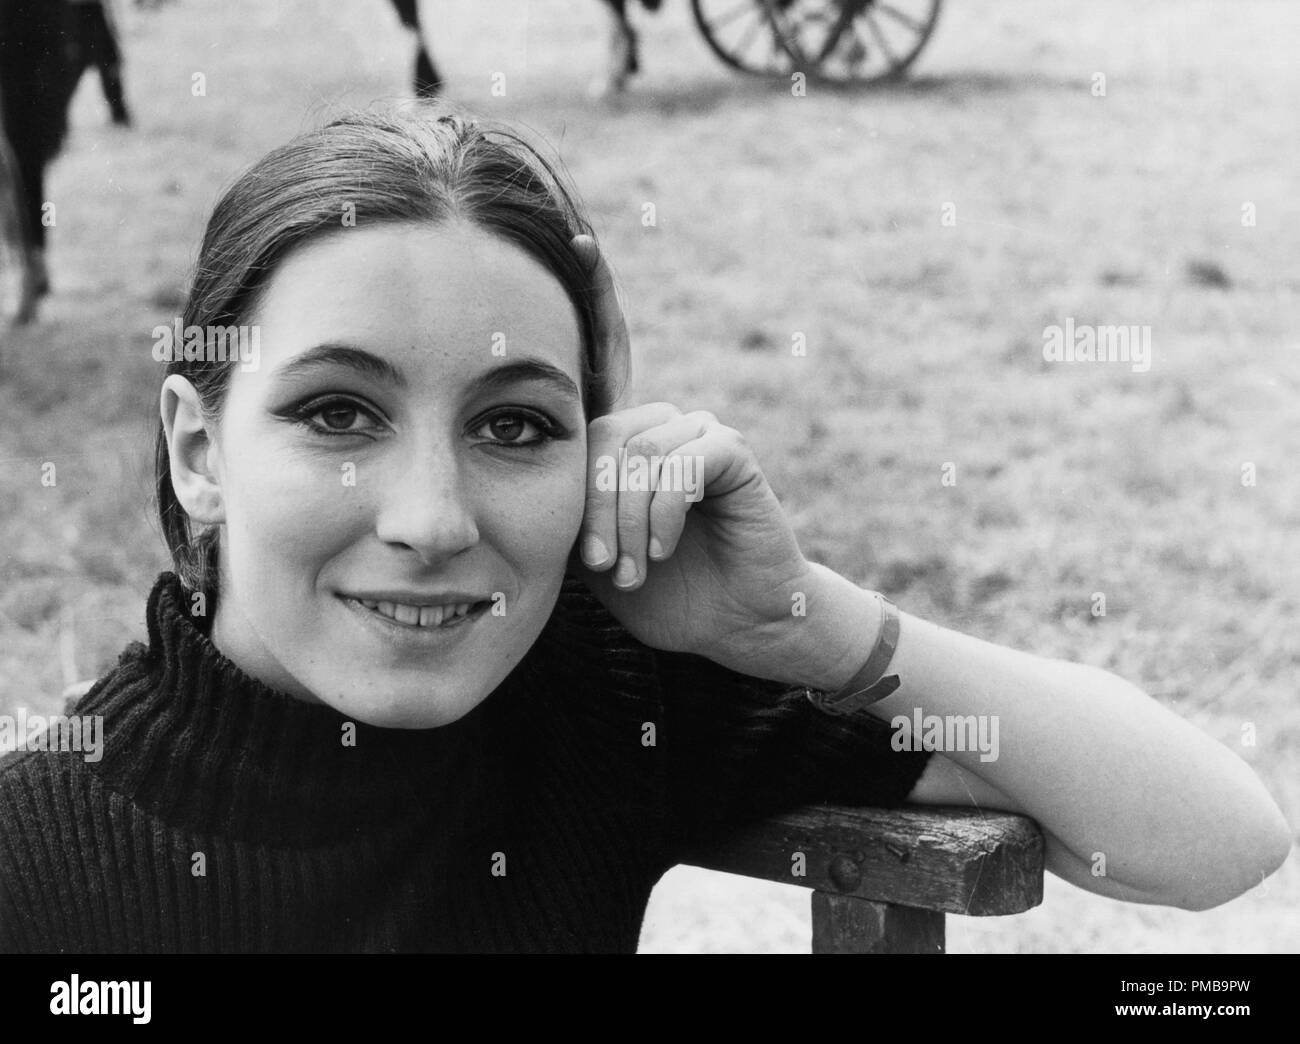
[
  {"x": 743, "y": 34},
  {"x": 840, "y": 41},
  {"x": 854, "y": 41}
]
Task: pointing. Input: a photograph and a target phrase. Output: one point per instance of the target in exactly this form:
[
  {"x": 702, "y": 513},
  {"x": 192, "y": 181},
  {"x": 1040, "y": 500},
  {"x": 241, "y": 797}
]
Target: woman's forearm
[{"x": 1121, "y": 782}]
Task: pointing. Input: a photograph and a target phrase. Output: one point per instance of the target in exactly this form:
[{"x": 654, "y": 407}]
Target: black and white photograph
[{"x": 649, "y": 476}]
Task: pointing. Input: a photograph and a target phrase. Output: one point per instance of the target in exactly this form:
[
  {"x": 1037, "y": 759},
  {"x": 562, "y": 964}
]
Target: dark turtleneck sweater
[{"x": 226, "y": 816}]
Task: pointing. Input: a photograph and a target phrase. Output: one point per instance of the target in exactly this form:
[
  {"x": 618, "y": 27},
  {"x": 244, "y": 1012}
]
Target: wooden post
[{"x": 845, "y": 924}]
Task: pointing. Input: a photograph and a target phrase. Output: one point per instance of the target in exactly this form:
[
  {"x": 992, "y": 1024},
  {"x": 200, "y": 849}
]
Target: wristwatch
[{"x": 870, "y": 684}]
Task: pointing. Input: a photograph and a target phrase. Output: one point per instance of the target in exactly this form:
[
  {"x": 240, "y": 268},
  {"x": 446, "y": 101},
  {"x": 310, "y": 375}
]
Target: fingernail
[
  {"x": 594, "y": 551},
  {"x": 625, "y": 574},
  {"x": 656, "y": 548}
]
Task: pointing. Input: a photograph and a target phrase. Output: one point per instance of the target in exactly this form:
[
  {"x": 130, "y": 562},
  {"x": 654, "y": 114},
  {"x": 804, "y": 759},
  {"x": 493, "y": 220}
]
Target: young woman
[{"x": 427, "y": 678}]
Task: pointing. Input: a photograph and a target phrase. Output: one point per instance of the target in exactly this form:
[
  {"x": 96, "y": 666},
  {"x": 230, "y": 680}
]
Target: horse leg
[
  {"x": 425, "y": 79},
  {"x": 622, "y": 57},
  {"x": 13, "y": 236},
  {"x": 31, "y": 193},
  {"x": 408, "y": 12},
  {"x": 28, "y": 288},
  {"x": 108, "y": 57}
]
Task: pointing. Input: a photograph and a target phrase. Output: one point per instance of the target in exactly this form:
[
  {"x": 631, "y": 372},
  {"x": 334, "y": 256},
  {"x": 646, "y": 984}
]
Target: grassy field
[{"x": 819, "y": 215}]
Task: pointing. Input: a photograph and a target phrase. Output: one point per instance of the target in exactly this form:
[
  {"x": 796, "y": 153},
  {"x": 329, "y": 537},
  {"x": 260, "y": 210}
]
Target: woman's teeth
[{"x": 419, "y": 615}]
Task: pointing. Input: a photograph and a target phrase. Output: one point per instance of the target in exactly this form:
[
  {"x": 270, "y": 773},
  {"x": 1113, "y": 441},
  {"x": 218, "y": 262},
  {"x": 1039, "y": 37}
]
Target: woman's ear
[{"x": 192, "y": 450}]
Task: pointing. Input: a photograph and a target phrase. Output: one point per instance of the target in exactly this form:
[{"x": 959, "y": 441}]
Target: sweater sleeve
[{"x": 739, "y": 748}]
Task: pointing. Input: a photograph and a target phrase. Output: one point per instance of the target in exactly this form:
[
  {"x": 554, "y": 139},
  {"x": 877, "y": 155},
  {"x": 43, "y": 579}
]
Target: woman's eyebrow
[
  {"x": 527, "y": 370},
  {"x": 331, "y": 354},
  {"x": 376, "y": 368}
]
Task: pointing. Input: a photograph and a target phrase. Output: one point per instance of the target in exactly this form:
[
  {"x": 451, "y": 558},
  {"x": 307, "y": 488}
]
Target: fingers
[
  {"x": 653, "y": 497},
  {"x": 606, "y": 439},
  {"x": 647, "y": 467}
]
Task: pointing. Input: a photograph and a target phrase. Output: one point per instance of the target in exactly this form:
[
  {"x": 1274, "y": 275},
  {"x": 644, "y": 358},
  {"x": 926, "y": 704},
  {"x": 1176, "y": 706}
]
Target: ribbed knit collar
[{"x": 191, "y": 737}]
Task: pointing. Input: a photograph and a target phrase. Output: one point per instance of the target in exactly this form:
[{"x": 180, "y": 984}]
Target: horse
[
  {"x": 40, "y": 63},
  {"x": 623, "y": 55}
]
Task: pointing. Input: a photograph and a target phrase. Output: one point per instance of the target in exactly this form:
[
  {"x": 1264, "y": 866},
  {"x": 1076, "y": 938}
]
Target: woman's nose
[{"x": 424, "y": 506}]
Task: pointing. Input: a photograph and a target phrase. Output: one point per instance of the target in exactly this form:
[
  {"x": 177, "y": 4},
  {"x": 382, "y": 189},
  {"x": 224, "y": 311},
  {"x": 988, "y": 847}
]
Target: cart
[{"x": 830, "y": 41}]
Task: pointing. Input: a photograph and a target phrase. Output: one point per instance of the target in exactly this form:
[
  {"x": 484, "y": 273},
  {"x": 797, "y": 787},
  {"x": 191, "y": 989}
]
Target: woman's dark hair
[{"x": 395, "y": 166}]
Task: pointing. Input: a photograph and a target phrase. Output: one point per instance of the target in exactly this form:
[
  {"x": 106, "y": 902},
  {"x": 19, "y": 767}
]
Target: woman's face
[{"x": 403, "y": 475}]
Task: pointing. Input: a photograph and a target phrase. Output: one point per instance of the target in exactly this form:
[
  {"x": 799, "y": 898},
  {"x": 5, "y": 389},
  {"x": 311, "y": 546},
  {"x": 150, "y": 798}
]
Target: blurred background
[{"x": 917, "y": 238}]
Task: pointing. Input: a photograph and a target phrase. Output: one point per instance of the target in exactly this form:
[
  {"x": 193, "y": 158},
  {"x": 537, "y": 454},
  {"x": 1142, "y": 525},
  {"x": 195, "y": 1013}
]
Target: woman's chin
[{"x": 424, "y": 709}]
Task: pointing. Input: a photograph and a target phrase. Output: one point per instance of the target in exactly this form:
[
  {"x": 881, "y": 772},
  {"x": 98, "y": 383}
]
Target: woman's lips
[
  {"x": 419, "y": 615},
  {"x": 417, "y": 618}
]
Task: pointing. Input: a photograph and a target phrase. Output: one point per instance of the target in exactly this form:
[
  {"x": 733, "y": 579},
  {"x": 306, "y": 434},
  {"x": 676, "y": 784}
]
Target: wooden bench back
[{"x": 883, "y": 879}]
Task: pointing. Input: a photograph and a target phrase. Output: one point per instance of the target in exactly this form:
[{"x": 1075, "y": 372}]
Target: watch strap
[{"x": 870, "y": 684}]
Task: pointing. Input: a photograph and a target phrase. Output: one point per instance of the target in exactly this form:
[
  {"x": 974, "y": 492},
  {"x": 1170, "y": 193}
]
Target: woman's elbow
[{"x": 1246, "y": 854}]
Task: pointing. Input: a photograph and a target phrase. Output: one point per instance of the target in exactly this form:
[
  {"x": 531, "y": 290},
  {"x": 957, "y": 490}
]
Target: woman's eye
[
  {"x": 516, "y": 429},
  {"x": 508, "y": 429},
  {"x": 337, "y": 417}
]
